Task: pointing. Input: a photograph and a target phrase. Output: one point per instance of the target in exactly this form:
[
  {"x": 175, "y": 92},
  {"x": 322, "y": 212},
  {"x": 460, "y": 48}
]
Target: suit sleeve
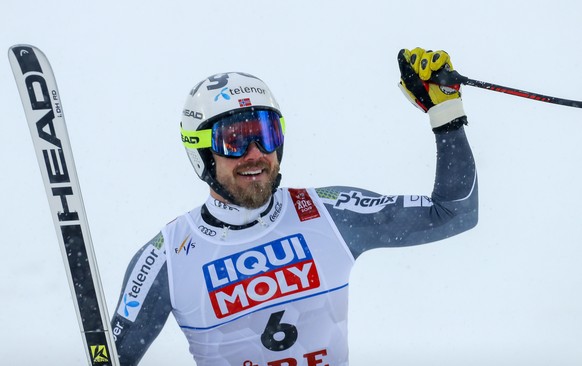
[
  {"x": 144, "y": 303},
  {"x": 368, "y": 220}
]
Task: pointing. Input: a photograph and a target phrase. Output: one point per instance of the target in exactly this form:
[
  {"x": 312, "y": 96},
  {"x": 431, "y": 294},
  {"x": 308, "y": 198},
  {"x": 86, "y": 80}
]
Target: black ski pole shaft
[{"x": 444, "y": 77}]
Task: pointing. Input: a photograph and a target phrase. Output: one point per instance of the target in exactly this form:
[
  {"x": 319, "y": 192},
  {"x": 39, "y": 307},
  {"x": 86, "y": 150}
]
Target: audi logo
[{"x": 206, "y": 231}]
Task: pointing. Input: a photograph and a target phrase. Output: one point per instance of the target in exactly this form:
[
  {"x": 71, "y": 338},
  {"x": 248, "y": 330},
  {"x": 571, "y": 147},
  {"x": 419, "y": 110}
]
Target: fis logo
[
  {"x": 185, "y": 246},
  {"x": 270, "y": 271}
]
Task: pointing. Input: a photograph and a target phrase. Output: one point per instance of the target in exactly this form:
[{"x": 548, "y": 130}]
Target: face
[{"x": 248, "y": 178}]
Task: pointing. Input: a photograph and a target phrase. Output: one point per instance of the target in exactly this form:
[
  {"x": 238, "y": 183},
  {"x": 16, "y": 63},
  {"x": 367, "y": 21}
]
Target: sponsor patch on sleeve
[
  {"x": 303, "y": 204},
  {"x": 356, "y": 201},
  {"x": 417, "y": 201},
  {"x": 140, "y": 281}
]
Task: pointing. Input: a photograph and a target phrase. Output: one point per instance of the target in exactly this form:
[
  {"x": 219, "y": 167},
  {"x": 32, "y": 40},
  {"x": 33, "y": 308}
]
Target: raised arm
[{"x": 368, "y": 220}]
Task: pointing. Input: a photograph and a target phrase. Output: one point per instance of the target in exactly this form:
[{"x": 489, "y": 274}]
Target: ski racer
[{"x": 258, "y": 275}]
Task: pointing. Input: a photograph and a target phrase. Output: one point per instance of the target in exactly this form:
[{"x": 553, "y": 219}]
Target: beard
[{"x": 254, "y": 194}]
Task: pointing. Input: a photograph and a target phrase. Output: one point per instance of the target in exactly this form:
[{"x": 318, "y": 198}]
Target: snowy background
[{"x": 506, "y": 293}]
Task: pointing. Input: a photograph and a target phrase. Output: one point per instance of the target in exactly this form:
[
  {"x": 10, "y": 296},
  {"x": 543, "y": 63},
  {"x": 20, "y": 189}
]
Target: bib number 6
[{"x": 278, "y": 336}]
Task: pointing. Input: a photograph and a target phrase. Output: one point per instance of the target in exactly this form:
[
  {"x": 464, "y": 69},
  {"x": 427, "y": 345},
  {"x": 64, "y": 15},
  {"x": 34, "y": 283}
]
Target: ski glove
[{"x": 443, "y": 103}]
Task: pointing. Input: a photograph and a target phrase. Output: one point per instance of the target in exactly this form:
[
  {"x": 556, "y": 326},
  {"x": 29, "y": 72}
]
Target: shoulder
[
  {"x": 179, "y": 227},
  {"x": 182, "y": 219}
]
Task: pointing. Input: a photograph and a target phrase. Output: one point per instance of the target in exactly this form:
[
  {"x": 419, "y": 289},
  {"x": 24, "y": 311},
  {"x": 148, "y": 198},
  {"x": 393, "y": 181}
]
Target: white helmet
[{"x": 215, "y": 97}]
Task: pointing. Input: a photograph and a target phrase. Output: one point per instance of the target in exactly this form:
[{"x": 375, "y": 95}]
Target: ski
[{"x": 44, "y": 114}]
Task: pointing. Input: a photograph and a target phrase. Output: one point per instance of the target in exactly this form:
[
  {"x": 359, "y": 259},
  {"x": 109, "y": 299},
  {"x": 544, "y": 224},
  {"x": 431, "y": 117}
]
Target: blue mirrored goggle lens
[{"x": 232, "y": 135}]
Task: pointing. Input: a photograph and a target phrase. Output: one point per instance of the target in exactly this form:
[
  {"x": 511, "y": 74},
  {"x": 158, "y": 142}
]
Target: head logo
[
  {"x": 223, "y": 94},
  {"x": 190, "y": 139},
  {"x": 193, "y": 114}
]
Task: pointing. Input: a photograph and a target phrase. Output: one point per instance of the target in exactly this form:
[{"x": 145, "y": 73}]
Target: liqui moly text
[{"x": 274, "y": 270}]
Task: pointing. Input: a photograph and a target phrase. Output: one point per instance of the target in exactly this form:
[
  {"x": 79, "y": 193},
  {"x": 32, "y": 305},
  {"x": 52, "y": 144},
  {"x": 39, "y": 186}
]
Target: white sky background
[{"x": 505, "y": 293}]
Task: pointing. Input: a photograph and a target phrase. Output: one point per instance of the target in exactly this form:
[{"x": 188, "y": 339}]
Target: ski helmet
[{"x": 218, "y": 96}]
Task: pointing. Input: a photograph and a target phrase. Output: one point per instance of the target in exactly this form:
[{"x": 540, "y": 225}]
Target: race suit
[{"x": 269, "y": 287}]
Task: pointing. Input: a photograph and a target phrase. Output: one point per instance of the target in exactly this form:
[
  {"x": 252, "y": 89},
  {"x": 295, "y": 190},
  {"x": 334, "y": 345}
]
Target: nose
[{"x": 253, "y": 151}]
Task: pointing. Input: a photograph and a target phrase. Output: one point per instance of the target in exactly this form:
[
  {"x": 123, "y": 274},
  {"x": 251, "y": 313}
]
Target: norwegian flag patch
[{"x": 245, "y": 102}]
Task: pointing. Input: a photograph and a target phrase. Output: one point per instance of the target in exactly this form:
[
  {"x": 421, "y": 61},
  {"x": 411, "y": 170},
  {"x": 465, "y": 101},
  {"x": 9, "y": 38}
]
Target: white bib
[{"x": 271, "y": 294}]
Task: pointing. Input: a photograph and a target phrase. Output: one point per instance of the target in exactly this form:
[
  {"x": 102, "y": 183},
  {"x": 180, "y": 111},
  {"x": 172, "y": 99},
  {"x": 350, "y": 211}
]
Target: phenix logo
[
  {"x": 270, "y": 271},
  {"x": 355, "y": 201}
]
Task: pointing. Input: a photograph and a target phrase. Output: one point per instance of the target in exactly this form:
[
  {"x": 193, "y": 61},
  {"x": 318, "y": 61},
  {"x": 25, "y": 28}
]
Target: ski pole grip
[{"x": 445, "y": 77}]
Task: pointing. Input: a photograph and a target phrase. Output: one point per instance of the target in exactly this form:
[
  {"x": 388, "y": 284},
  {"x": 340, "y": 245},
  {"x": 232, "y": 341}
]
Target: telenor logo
[
  {"x": 226, "y": 92},
  {"x": 270, "y": 271},
  {"x": 129, "y": 304},
  {"x": 222, "y": 94},
  {"x": 141, "y": 279}
]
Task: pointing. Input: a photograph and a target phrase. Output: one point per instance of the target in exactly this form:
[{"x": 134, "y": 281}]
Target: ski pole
[{"x": 445, "y": 77}]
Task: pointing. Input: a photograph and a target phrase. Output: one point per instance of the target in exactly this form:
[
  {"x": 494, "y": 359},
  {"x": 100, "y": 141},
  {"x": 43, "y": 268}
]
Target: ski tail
[{"x": 44, "y": 114}]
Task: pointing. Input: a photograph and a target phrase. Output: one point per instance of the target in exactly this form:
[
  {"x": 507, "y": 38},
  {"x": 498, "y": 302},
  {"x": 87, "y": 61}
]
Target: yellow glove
[{"x": 443, "y": 103}]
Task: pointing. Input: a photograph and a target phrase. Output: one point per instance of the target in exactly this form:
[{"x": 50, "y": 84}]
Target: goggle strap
[{"x": 196, "y": 139}]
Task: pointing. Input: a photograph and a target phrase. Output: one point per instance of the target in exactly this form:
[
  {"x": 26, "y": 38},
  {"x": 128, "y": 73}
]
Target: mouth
[{"x": 252, "y": 172}]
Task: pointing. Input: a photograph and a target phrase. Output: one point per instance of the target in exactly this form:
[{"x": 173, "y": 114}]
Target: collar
[{"x": 220, "y": 214}]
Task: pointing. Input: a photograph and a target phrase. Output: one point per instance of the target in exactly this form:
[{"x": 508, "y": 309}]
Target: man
[{"x": 258, "y": 275}]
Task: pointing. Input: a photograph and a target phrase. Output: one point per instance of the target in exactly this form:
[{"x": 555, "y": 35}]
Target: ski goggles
[{"x": 231, "y": 135}]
